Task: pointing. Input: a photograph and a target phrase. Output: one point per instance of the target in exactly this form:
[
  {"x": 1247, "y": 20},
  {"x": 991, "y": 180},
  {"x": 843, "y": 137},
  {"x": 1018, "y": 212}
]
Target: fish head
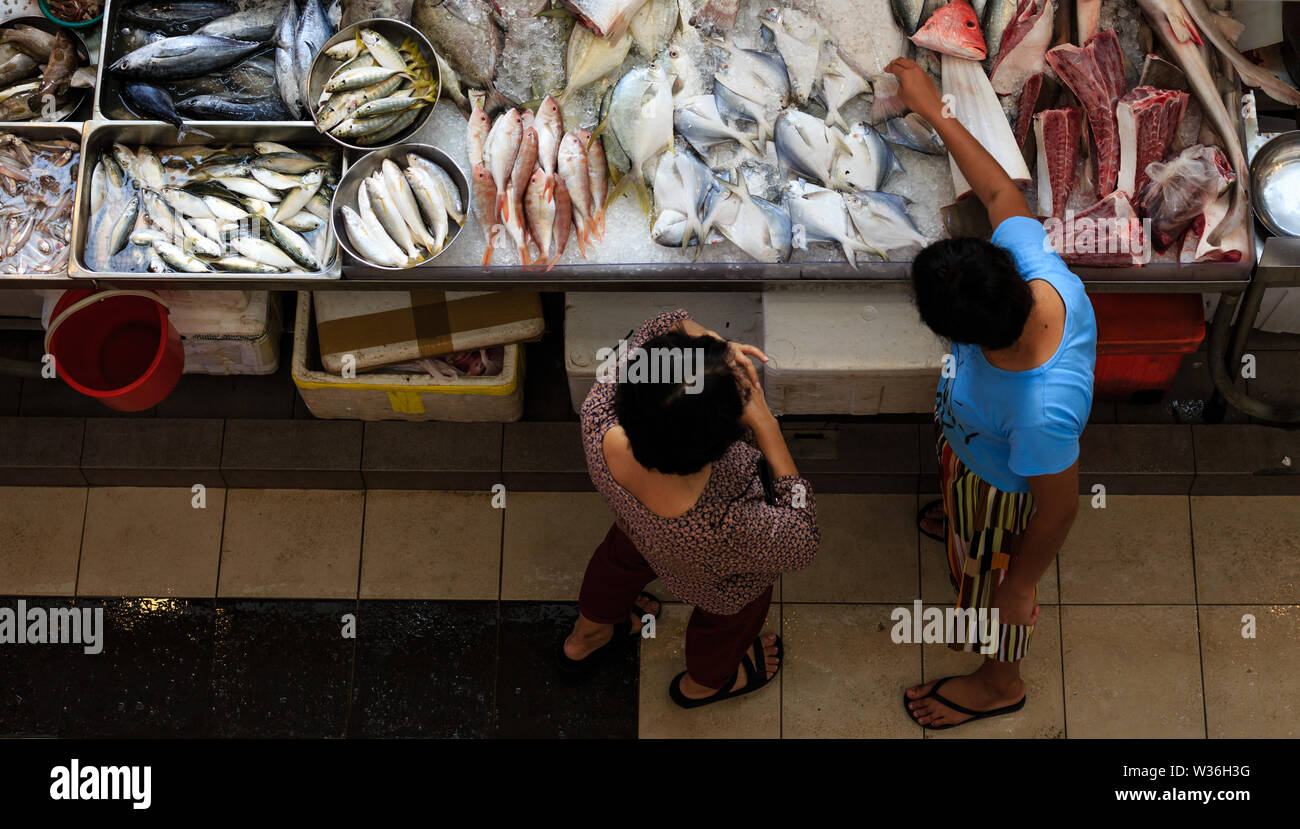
[
  {"x": 549, "y": 109},
  {"x": 954, "y": 30}
]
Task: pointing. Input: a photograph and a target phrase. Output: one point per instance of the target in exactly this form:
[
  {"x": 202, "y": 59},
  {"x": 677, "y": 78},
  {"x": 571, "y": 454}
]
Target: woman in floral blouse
[{"x": 705, "y": 496}]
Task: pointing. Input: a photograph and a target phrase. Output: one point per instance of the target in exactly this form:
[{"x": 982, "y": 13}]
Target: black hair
[
  {"x": 969, "y": 291},
  {"x": 675, "y": 431}
]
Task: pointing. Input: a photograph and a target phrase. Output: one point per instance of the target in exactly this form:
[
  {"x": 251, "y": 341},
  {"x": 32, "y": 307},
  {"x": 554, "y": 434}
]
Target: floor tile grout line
[
  {"x": 81, "y": 544},
  {"x": 221, "y": 540},
  {"x": 1196, "y": 594},
  {"x": 1060, "y": 644},
  {"x": 356, "y": 614}
]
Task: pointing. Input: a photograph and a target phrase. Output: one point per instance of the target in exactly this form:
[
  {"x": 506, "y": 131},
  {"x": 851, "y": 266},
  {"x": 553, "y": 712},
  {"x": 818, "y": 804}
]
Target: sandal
[
  {"x": 974, "y": 715},
  {"x": 577, "y": 668},
  {"x": 922, "y": 514},
  {"x": 754, "y": 678}
]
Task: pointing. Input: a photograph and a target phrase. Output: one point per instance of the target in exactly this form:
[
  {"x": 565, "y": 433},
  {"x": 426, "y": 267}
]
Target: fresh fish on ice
[
  {"x": 913, "y": 132},
  {"x": 641, "y": 118},
  {"x": 698, "y": 121},
  {"x": 823, "y": 216},
  {"x": 840, "y": 84},
  {"x": 185, "y": 56},
  {"x": 757, "y": 226},
  {"x": 591, "y": 58},
  {"x": 752, "y": 85},
  {"x": 798, "y": 38},
  {"x": 882, "y": 222}
]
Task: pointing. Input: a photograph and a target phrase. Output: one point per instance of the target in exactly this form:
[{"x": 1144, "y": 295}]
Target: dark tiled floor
[
  {"x": 284, "y": 668},
  {"x": 533, "y": 701}
]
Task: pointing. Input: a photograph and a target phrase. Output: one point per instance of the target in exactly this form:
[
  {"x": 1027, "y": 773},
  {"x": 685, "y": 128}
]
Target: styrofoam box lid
[
  {"x": 847, "y": 328},
  {"x": 218, "y": 313},
  {"x": 596, "y": 320}
]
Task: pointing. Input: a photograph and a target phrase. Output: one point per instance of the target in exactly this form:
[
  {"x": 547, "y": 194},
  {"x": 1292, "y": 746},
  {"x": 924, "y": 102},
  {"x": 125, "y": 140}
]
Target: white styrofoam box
[
  {"x": 21, "y": 302},
  {"x": 597, "y": 320},
  {"x": 848, "y": 349},
  {"x": 227, "y": 332}
]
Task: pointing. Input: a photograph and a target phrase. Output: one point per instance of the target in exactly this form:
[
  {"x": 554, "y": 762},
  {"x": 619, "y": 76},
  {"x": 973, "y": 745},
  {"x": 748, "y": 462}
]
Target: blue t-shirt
[{"x": 1008, "y": 426}]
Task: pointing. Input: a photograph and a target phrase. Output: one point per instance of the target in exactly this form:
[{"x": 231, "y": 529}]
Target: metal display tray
[
  {"x": 98, "y": 135},
  {"x": 108, "y": 87},
  {"x": 41, "y": 131}
]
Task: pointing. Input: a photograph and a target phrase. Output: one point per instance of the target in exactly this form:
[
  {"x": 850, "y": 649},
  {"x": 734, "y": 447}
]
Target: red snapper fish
[{"x": 953, "y": 30}]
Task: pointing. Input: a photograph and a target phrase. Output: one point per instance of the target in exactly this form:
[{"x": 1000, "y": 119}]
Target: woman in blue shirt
[{"x": 1011, "y": 406}]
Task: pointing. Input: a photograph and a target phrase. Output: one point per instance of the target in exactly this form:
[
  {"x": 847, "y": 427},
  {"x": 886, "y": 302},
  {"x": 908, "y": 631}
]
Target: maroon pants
[{"x": 715, "y": 644}]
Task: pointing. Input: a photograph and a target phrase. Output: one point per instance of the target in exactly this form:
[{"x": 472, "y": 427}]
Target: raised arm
[{"x": 1000, "y": 195}]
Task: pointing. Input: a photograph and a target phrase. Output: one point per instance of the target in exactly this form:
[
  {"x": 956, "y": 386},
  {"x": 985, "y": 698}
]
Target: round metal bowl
[
  {"x": 75, "y": 96},
  {"x": 1274, "y": 183},
  {"x": 367, "y": 165},
  {"x": 322, "y": 66}
]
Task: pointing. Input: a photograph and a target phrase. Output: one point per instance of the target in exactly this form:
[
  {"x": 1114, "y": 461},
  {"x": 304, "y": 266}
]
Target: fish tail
[
  {"x": 1233, "y": 218},
  {"x": 548, "y": 189},
  {"x": 491, "y": 243},
  {"x": 642, "y": 192}
]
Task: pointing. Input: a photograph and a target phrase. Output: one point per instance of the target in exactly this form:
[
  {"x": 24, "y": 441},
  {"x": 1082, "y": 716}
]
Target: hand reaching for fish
[{"x": 916, "y": 89}]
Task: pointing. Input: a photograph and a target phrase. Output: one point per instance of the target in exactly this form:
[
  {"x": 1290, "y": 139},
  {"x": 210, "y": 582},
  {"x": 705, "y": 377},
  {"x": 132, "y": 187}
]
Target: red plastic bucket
[{"x": 118, "y": 347}]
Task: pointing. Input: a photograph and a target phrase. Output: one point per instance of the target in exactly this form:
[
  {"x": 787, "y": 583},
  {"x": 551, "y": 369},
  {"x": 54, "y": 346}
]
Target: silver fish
[
  {"x": 823, "y": 216},
  {"x": 309, "y": 36},
  {"x": 841, "y": 83},
  {"x": 641, "y": 118},
  {"x": 294, "y": 245},
  {"x": 653, "y": 25},
  {"x": 683, "y": 184},
  {"x": 698, "y": 121},
  {"x": 755, "y": 225},
  {"x": 186, "y": 56},
  {"x": 256, "y": 24},
  {"x": 445, "y": 185},
  {"x": 882, "y": 222},
  {"x": 913, "y": 132},
  {"x": 286, "y": 73},
  {"x": 806, "y": 145},
  {"x": 178, "y": 259},
  {"x": 866, "y": 162},
  {"x": 298, "y": 198},
  {"x": 376, "y": 248},
  {"x": 260, "y": 250},
  {"x": 798, "y": 38},
  {"x": 753, "y": 85}
]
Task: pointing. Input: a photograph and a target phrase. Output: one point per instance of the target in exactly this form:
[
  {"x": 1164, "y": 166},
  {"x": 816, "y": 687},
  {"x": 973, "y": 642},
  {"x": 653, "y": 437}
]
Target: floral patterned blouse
[{"x": 732, "y": 545}]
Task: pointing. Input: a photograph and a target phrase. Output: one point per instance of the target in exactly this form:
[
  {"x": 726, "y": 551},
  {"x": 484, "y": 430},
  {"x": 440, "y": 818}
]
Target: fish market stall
[{"x": 699, "y": 143}]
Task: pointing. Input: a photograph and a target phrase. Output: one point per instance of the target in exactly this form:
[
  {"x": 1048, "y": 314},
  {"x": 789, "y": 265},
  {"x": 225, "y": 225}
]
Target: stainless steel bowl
[
  {"x": 100, "y": 135},
  {"x": 397, "y": 33},
  {"x": 346, "y": 194},
  {"x": 75, "y": 97},
  {"x": 1275, "y": 183}
]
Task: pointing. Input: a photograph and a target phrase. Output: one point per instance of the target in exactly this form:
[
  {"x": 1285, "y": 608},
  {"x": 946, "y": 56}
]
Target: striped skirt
[{"x": 984, "y": 529}]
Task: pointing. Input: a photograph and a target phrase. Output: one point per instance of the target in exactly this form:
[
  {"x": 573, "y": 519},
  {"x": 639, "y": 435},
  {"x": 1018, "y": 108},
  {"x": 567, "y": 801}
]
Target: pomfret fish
[
  {"x": 913, "y": 132},
  {"x": 755, "y": 225},
  {"x": 683, "y": 184},
  {"x": 882, "y": 222},
  {"x": 753, "y": 85},
  {"x": 841, "y": 83},
  {"x": 590, "y": 58},
  {"x": 823, "y": 216},
  {"x": 698, "y": 121},
  {"x": 641, "y": 118},
  {"x": 799, "y": 38}
]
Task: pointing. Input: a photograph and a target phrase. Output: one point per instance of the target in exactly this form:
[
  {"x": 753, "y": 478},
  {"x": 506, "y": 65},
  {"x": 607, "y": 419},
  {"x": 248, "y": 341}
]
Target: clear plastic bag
[{"x": 1180, "y": 189}]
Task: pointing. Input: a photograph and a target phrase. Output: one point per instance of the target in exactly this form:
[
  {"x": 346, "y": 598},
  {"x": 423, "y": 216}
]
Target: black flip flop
[
  {"x": 921, "y": 515},
  {"x": 974, "y": 715},
  {"x": 755, "y": 678},
  {"x": 578, "y": 668}
]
